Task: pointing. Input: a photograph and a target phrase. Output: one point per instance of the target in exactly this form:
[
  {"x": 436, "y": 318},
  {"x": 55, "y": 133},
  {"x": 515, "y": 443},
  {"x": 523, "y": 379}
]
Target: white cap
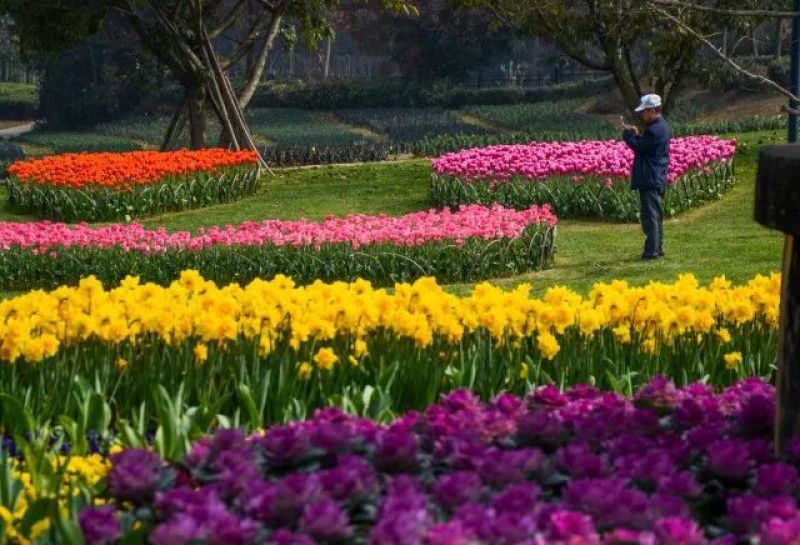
[{"x": 649, "y": 101}]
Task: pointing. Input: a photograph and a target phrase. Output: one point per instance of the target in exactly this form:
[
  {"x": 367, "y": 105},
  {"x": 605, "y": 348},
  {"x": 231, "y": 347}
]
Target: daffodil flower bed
[
  {"x": 588, "y": 179},
  {"x": 116, "y": 186},
  {"x": 667, "y": 466},
  {"x": 473, "y": 243},
  {"x": 298, "y": 348}
]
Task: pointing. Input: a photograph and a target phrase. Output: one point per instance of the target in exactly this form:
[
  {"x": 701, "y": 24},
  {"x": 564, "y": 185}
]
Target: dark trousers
[{"x": 651, "y": 214}]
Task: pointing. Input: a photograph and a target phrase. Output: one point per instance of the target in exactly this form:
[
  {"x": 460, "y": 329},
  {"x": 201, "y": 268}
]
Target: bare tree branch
[
  {"x": 228, "y": 21},
  {"x": 261, "y": 62},
  {"x": 733, "y": 12},
  {"x": 245, "y": 45},
  {"x": 723, "y": 56}
]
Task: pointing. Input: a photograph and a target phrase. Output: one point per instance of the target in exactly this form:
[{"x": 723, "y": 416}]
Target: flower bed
[
  {"x": 671, "y": 467},
  {"x": 111, "y": 186},
  {"x": 473, "y": 243},
  {"x": 580, "y": 179},
  {"x": 296, "y": 349}
]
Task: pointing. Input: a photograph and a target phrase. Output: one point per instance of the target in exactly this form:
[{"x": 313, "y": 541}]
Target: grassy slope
[{"x": 719, "y": 238}]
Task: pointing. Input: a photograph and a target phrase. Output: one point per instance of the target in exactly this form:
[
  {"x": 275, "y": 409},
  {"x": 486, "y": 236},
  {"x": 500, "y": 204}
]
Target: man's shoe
[{"x": 650, "y": 257}]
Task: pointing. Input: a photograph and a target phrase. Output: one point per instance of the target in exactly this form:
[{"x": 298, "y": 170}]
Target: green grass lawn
[{"x": 716, "y": 239}]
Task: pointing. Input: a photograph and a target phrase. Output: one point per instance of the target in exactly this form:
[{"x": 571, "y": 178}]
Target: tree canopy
[
  {"x": 640, "y": 48},
  {"x": 188, "y": 37}
]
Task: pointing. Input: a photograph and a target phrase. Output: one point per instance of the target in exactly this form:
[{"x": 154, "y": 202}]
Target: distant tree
[
  {"x": 442, "y": 41},
  {"x": 188, "y": 37},
  {"x": 607, "y": 34}
]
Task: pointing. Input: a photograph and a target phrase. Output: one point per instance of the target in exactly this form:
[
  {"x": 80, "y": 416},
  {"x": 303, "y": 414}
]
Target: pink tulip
[
  {"x": 472, "y": 221},
  {"x": 610, "y": 159}
]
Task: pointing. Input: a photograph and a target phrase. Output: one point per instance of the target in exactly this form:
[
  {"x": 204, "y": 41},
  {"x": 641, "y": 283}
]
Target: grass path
[{"x": 719, "y": 238}]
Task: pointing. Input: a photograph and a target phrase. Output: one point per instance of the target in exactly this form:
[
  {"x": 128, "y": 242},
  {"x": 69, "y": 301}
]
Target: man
[{"x": 649, "y": 176}]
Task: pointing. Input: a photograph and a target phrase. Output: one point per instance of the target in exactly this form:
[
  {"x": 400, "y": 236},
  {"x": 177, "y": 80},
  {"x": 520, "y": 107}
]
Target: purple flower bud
[
  {"x": 547, "y": 396},
  {"x": 746, "y": 513},
  {"x": 396, "y": 449},
  {"x": 352, "y": 478},
  {"x": 756, "y": 415},
  {"x": 100, "y": 525},
  {"x": 580, "y": 461},
  {"x": 449, "y": 533},
  {"x": 679, "y": 531},
  {"x": 683, "y": 485},
  {"x": 702, "y": 436},
  {"x": 622, "y": 536},
  {"x": 517, "y": 498},
  {"x": 236, "y": 469},
  {"x": 541, "y": 427},
  {"x": 179, "y": 530},
  {"x": 776, "y": 480},
  {"x": 608, "y": 501},
  {"x": 284, "y": 444},
  {"x": 175, "y": 501},
  {"x": 729, "y": 459},
  {"x": 500, "y": 467},
  {"x": 570, "y": 527},
  {"x": 660, "y": 395},
  {"x": 332, "y": 437},
  {"x": 457, "y": 488},
  {"x": 200, "y": 453},
  {"x": 400, "y": 528},
  {"x": 285, "y": 537},
  {"x": 135, "y": 474},
  {"x": 777, "y": 531},
  {"x": 325, "y": 521},
  {"x": 508, "y": 529},
  {"x": 460, "y": 400}
]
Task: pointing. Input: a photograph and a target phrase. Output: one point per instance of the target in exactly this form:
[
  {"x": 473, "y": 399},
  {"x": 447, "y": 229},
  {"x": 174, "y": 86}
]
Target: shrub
[
  {"x": 18, "y": 101},
  {"x": 399, "y": 92}
]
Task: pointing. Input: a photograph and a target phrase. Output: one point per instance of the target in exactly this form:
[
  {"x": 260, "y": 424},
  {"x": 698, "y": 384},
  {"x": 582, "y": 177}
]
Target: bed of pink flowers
[
  {"x": 603, "y": 158},
  {"x": 469, "y": 244},
  {"x": 357, "y": 230}
]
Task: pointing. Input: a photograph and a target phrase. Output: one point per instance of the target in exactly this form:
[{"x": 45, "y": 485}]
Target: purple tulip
[
  {"x": 396, "y": 449},
  {"x": 729, "y": 459},
  {"x": 352, "y": 478},
  {"x": 777, "y": 531},
  {"x": 100, "y": 525},
  {"x": 776, "y": 480},
  {"x": 285, "y": 537},
  {"x": 457, "y": 488},
  {"x": 679, "y": 531},
  {"x": 135, "y": 475},
  {"x": 572, "y": 527},
  {"x": 325, "y": 521},
  {"x": 285, "y": 444},
  {"x": 517, "y": 498}
]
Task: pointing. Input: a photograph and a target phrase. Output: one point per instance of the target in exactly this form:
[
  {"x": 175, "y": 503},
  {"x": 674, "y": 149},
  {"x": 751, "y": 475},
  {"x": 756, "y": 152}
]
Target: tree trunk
[
  {"x": 778, "y": 37},
  {"x": 197, "y": 98},
  {"x": 261, "y": 62},
  {"x": 327, "y": 58}
]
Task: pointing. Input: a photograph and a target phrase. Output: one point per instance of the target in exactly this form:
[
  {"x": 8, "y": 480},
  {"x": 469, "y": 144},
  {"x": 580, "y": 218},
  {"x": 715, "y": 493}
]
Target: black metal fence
[{"x": 536, "y": 78}]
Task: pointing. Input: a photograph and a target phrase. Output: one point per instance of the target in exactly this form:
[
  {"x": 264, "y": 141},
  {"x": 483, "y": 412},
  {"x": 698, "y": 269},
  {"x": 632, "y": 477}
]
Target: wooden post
[{"x": 778, "y": 207}]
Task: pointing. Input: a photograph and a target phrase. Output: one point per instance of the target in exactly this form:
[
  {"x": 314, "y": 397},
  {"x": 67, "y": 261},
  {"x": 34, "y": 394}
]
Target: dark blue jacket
[{"x": 651, "y": 155}]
